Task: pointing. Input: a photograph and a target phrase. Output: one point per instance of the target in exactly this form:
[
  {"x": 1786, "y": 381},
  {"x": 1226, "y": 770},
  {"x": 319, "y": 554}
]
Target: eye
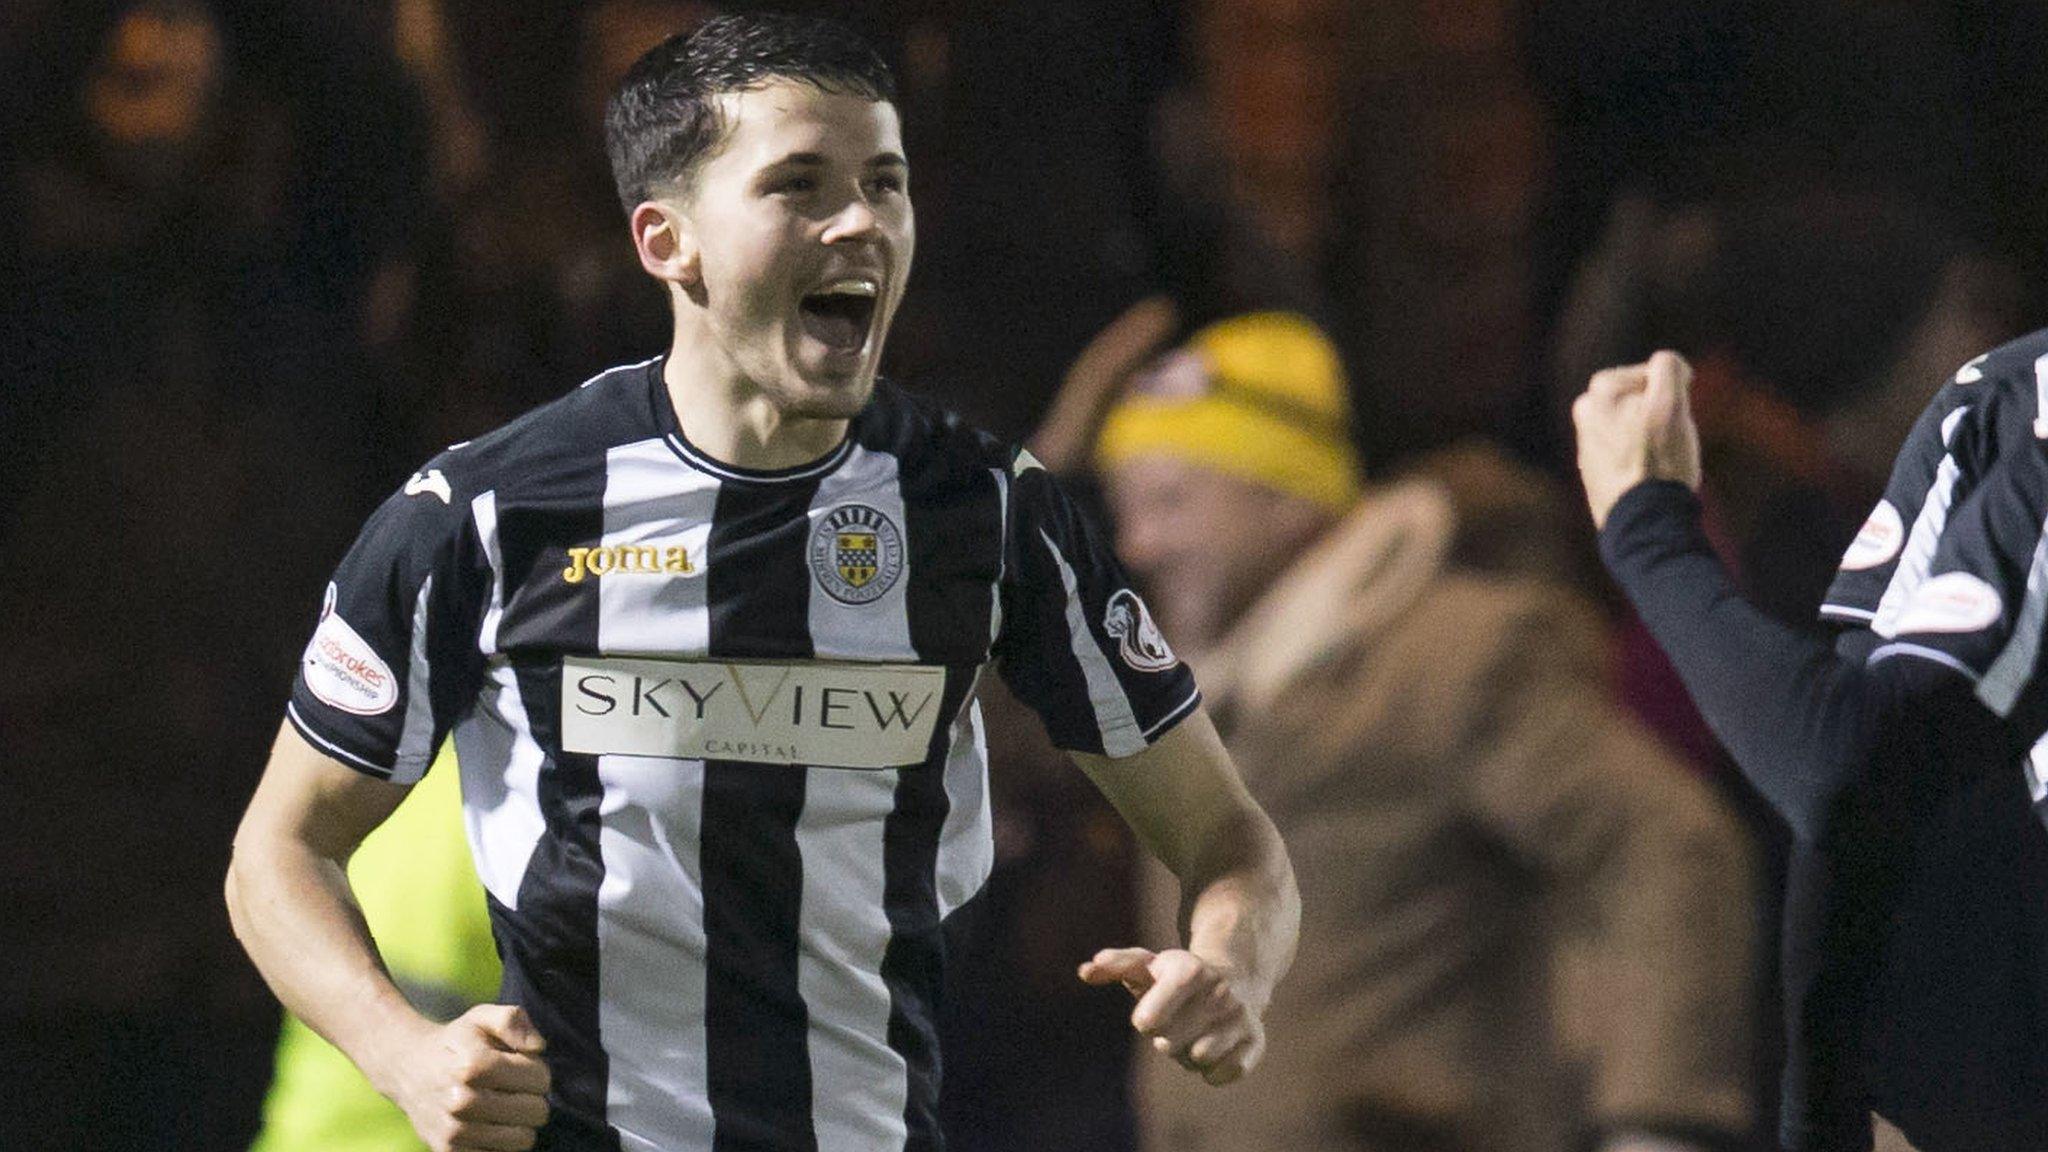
[
  {"x": 890, "y": 182},
  {"x": 794, "y": 186}
]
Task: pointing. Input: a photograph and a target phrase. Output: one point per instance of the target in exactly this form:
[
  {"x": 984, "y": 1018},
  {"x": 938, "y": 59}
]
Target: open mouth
[{"x": 839, "y": 314}]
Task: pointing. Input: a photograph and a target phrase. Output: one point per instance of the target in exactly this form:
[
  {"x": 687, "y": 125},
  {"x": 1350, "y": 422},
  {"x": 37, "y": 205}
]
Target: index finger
[
  {"x": 515, "y": 1072},
  {"x": 1128, "y": 965}
]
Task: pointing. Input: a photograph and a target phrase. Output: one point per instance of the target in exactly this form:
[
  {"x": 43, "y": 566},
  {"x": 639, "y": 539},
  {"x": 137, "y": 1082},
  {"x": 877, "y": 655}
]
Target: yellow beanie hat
[{"x": 1259, "y": 396}]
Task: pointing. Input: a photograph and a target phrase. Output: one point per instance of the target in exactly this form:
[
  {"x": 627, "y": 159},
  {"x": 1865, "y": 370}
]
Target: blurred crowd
[{"x": 260, "y": 257}]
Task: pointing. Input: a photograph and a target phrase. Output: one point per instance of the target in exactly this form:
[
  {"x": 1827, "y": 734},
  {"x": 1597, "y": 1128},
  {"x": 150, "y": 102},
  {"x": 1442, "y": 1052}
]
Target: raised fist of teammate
[
  {"x": 1634, "y": 424},
  {"x": 1192, "y": 1009},
  {"x": 477, "y": 1082}
]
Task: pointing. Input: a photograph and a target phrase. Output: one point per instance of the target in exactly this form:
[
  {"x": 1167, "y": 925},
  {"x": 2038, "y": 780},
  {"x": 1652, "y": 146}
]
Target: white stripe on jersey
[
  {"x": 879, "y": 629},
  {"x": 484, "y": 509},
  {"x": 500, "y": 763},
  {"x": 1902, "y": 648},
  {"x": 2041, "y": 398},
  {"x": 967, "y": 847},
  {"x": 614, "y": 371},
  {"x": 2010, "y": 672},
  {"x": 1115, "y": 720},
  {"x": 416, "y": 737},
  {"x": 653, "y": 499},
  {"x": 650, "y": 904},
  {"x": 995, "y": 591},
  {"x": 2037, "y": 771},
  {"x": 650, "y": 938},
  {"x": 1920, "y": 546},
  {"x": 858, "y": 1083}
]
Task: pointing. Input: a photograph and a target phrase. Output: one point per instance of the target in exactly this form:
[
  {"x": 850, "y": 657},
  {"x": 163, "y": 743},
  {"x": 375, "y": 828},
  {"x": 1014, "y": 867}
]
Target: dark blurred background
[{"x": 260, "y": 257}]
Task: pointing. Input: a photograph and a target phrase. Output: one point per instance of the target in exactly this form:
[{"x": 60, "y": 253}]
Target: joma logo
[{"x": 627, "y": 559}]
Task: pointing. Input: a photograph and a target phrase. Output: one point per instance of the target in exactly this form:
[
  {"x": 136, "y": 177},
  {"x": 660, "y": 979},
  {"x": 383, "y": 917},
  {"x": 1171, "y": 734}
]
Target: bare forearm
[
  {"x": 1241, "y": 907},
  {"x": 294, "y": 914}
]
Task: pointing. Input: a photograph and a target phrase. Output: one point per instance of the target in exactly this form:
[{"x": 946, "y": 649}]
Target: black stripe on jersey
[
  {"x": 549, "y": 944},
  {"x": 913, "y": 965},
  {"x": 1036, "y": 654},
  {"x": 954, "y": 519},
  {"x": 756, "y": 1026},
  {"x": 452, "y": 651}
]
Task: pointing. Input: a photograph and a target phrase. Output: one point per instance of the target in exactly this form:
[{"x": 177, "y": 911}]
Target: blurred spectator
[
  {"x": 419, "y": 893},
  {"x": 207, "y": 193},
  {"x": 1503, "y": 879},
  {"x": 543, "y": 286}
]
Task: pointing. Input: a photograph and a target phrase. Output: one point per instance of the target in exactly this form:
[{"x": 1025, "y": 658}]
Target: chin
[{"x": 830, "y": 399}]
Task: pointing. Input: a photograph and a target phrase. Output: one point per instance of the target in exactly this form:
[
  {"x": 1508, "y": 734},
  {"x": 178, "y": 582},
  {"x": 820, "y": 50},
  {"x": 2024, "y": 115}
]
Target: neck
[{"x": 727, "y": 415}]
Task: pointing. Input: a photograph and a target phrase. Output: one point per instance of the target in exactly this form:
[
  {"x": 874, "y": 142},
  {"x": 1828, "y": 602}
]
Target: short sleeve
[
  {"x": 1938, "y": 464},
  {"x": 394, "y": 656},
  {"x": 1077, "y": 642},
  {"x": 1980, "y": 609}
]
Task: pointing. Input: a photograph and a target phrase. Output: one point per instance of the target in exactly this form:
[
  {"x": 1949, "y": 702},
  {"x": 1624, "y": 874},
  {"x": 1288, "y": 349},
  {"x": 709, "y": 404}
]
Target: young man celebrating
[{"x": 706, "y": 633}]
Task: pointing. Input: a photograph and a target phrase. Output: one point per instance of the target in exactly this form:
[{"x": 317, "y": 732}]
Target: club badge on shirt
[
  {"x": 856, "y": 553},
  {"x": 1138, "y": 639}
]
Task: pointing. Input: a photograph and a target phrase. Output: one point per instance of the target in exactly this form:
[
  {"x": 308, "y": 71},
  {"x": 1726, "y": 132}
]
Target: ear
[{"x": 667, "y": 244}]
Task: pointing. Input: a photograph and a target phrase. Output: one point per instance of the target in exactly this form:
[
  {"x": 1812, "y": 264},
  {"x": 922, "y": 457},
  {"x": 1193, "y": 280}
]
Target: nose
[{"x": 856, "y": 221}]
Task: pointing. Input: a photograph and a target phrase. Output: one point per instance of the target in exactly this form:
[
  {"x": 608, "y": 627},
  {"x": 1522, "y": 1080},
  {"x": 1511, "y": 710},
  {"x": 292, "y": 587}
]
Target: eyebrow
[{"x": 879, "y": 160}]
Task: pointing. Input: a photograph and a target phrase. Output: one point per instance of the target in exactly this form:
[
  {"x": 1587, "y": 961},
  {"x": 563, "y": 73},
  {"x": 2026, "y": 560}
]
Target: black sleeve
[
  {"x": 1851, "y": 752},
  {"x": 1802, "y": 721},
  {"x": 1078, "y": 643},
  {"x": 394, "y": 659}
]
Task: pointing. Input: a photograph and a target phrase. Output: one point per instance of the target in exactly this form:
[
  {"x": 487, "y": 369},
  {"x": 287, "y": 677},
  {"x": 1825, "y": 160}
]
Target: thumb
[
  {"x": 509, "y": 1028},
  {"x": 1668, "y": 392}
]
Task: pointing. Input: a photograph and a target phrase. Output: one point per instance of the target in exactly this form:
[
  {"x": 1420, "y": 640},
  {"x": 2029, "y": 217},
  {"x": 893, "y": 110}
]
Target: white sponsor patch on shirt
[
  {"x": 1951, "y": 602},
  {"x": 1973, "y": 371},
  {"x": 343, "y": 670},
  {"x": 828, "y": 715},
  {"x": 1880, "y": 538}
]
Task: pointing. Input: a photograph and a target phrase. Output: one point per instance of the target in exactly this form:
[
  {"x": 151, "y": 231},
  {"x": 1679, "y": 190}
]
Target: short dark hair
[{"x": 663, "y": 117}]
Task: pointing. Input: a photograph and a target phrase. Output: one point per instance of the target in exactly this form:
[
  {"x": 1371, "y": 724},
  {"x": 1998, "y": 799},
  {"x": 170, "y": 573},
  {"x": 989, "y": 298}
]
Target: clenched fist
[
  {"x": 1634, "y": 424},
  {"x": 1193, "y": 1009},
  {"x": 477, "y": 1082}
]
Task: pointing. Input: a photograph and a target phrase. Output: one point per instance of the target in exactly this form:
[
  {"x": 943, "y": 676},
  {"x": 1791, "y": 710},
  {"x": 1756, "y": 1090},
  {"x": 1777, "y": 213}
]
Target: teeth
[{"x": 848, "y": 286}]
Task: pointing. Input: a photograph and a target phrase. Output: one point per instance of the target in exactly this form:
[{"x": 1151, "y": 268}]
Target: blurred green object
[{"x": 419, "y": 891}]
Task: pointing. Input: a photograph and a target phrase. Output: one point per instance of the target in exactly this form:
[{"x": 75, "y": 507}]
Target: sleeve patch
[
  {"x": 1138, "y": 640},
  {"x": 343, "y": 670},
  {"x": 1952, "y": 602},
  {"x": 1877, "y": 541}
]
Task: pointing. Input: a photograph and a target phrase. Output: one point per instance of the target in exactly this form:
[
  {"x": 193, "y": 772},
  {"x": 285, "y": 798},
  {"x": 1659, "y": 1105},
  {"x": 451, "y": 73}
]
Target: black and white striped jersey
[
  {"x": 1952, "y": 564},
  {"x": 722, "y": 767}
]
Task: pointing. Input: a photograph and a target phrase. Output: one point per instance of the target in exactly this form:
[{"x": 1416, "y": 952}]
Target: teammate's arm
[
  {"x": 1803, "y": 723},
  {"x": 1240, "y": 910},
  {"x": 477, "y": 1082},
  {"x": 1850, "y": 752}
]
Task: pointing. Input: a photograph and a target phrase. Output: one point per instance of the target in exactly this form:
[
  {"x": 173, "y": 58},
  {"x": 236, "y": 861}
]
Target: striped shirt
[
  {"x": 723, "y": 771},
  {"x": 1952, "y": 564}
]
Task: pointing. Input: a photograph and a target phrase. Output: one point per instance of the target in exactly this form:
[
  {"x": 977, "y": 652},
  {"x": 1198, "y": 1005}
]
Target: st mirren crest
[
  {"x": 1138, "y": 639},
  {"x": 856, "y": 553}
]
